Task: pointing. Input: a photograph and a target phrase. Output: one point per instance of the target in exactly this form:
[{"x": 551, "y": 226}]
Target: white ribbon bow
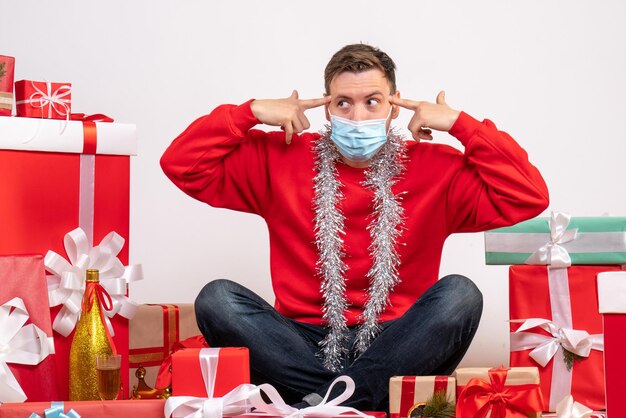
[
  {"x": 327, "y": 408},
  {"x": 567, "y": 408},
  {"x": 552, "y": 253},
  {"x": 66, "y": 285},
  {"x": 19, "y": 344},
  {"x": 544, "y": 347},
  {"x": 244, "y": 397},
  {"x": 233, "y": 403}
]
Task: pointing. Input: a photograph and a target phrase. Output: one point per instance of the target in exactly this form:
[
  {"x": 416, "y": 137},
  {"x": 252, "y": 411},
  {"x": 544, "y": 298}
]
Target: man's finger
[
  {"x": 288, "y": 132},
  {"x": 297, "y": 125},
  {"x": 294, "y": 95},
  {"x": 311, "y": 103},
  {"x": 425, "y": 134},
  {"x": 304, "y": 121},
  {"x": 441, "y": 98},
  {"x": 405, "y": 103}
]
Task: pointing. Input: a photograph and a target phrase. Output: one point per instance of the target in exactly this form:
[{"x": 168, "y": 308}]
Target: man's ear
[
  {"x": 395, "y": 108},
  {"x": 326, "y": 108}
]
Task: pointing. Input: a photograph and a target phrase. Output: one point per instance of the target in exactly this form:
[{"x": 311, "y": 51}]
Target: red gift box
[
  {"x": 47, "y": 194},
  {"x": 375, "y": 414},
  {"x": 567, "y": 297},
  {"x": 230, "y": 367},
  {"x": 152, "y": 408},
  {"x": 406, "y": 391},
  {"x": 7, "y": 69},
  {"x": 41, "y": 99},
  {"x": 23, "y": 276},
  {"x": 612, "y": 306}
]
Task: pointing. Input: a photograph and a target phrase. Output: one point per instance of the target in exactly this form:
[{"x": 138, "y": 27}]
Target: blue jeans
[{"x": 431, "y": 338}]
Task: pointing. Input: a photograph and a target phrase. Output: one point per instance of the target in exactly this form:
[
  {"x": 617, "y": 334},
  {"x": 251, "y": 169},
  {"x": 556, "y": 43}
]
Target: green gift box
[{"x": 559, "y": 241}]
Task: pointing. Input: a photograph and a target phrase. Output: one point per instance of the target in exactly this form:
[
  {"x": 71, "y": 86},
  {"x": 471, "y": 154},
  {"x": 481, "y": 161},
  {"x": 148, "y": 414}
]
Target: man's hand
[
  {"x": 438, "y": 116},
  {"x": 287, "y": 113}
]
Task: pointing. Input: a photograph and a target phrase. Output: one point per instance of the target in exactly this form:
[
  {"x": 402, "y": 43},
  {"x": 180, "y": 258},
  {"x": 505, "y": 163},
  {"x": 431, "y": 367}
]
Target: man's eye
[
  {"x": 372, "y": 102},
  {"x": 342, "y": 103}
]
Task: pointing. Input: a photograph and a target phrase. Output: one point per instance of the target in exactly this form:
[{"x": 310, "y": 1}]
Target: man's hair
[{"x": 357, "y": 58}]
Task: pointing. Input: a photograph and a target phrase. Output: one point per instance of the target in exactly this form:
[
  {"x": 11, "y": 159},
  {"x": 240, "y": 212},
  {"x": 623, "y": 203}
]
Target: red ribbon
[
  {"x": 407, "y": 393},
  {"x": 441, "y": 384},
  {"x": 515, "y": 401},
  {"x": 97, "y": 117},
  {"x": 95, "y": 293},
  {"x": 90, "y": 137},
  {"x": 164, "y": 376}
]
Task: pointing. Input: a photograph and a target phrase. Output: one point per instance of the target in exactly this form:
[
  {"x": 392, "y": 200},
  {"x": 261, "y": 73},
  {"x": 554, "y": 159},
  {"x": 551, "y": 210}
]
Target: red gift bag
[{"x": 23, "y": 276}]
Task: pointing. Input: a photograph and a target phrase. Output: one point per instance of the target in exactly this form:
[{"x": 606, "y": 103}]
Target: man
[{"x": 357, "y": 219}]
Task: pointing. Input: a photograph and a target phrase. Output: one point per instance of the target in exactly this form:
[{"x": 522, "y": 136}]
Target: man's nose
[{"x": 359, "y": 113}]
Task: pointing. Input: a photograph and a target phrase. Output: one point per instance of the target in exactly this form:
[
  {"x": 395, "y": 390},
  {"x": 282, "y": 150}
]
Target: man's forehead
[{"x": 364, "y": 83}]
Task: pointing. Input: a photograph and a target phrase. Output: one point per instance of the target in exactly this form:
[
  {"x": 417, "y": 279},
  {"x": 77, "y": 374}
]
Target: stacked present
[
  {"x": 560, "y": 349},
  {"x": 482, "y": 392},
  {"x": 155, "y": 332},
  {"x": 7, "y": 68},
  {"x": 64, "y": 188},
  {"x": 612, "y": 301},
  {"x": 554, "y": 312}
]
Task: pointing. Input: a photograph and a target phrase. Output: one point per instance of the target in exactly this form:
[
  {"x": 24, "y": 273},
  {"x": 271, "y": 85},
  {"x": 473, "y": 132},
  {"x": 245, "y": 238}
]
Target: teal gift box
[{"x": 559, "y": 241}]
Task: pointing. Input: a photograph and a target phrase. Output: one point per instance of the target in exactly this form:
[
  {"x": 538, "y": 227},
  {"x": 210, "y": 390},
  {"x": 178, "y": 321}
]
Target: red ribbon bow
[
  {"x": 95, "y": 293},
  {"x": 90, "y": 135},
  {"x": 515, "y": 401},
  {"x": 98, "y": 117}
]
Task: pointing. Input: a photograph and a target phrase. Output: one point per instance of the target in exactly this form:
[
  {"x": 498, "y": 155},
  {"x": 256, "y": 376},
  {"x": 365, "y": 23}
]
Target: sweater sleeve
[
  {"x": 497, "y": 186},
  {"x": 220, "y": 160}
]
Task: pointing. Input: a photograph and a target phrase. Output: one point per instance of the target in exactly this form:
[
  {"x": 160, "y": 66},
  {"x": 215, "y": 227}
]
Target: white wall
[{"x": 551, "y": 73}]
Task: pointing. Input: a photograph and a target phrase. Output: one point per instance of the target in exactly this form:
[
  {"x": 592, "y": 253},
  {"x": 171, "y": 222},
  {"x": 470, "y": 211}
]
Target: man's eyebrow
[{"x": 374, "y": 93}]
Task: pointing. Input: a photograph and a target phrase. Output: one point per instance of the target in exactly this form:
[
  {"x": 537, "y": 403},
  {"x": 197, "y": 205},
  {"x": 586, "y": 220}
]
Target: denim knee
[
  {"x": 213, "y": 298},
  {"x": 463, "y": 294}
]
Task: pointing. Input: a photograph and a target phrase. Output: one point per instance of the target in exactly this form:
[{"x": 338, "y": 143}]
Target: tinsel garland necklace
[{"x": 384, "y": 228}]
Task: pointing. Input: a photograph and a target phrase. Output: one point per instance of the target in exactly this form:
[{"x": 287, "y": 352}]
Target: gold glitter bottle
[{"x": 90, "y": 339}]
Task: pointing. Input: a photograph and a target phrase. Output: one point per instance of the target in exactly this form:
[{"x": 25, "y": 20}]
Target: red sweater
[{"x": 219, "y": 159}]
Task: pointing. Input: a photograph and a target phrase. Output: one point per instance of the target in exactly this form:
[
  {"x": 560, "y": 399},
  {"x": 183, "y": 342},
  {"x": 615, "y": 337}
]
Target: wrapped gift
[
  {"x": 42, "y": 99},
  {"x": 7, "y": 70},
  {"x": 226, "y": 368},
  {"x": 24, "y": 316},
  {"x": 498, "y": 392},
  {"x": 23, "y": 277},
  {"x": 362, "y": 414},
  {"x": 556, "y": 327},
  {"x": 85, "y": 409},
  {"x": 612, "y": 306},
  {"x": 153, "y": 331},
  {"x": 48, "y": 194},
  {"x": 407, "y": 391},
  {"x": 559, "y": 241},
  {"x": 264, "y": 400},
  {"x": 87, "y": 136}
]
